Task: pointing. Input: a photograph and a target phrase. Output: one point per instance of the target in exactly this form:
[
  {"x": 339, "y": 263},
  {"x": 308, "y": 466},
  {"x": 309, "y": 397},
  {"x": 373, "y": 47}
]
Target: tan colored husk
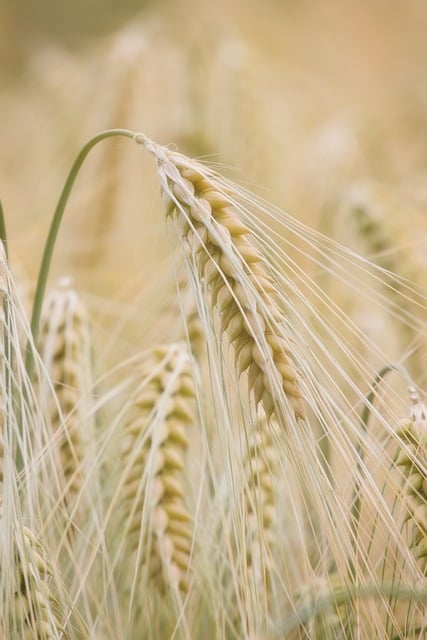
[
  {"x": 412, "y": 462},
  {"x": 36, "y": 609},
  {"x": 236, "y": 274},
  {"x": 260, "y": 466},
  {"x": 155, "y": 438},
  {"x": 193, "y": 328},
  {"x": 181, "y": 310},
  {"x": 65, "y": 351}
]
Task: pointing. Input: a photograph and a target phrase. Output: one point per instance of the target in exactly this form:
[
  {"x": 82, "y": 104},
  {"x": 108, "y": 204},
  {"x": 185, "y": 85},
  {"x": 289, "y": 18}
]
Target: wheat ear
[
  {"x": 65, "y": 351},
  {"x": 412, "y": 460},
  {"x": 155, "y": 440},
  {"x": 36, "y": 610},
  {"x": 236, "y": 273}
]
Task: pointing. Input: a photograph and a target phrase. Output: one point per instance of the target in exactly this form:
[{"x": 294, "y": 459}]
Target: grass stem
[{"x": 53, "y": 232}]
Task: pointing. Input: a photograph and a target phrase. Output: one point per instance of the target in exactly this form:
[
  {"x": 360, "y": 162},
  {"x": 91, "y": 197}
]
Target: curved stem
[{"x": 53, "y": 232}]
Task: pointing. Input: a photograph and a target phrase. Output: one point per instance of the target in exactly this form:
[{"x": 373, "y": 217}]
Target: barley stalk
[
  {"x": 155, "y": 440},
  {"x": 237, "y": 276}
]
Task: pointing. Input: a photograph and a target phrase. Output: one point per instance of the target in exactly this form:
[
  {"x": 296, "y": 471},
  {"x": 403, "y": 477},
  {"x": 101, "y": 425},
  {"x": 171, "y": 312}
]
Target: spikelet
[
  {"x": 193, "y": 329},
  {"x": 412, "y": 461},
  {"x": 221, "y": 247},
  {"x": 155, "y": 440},
  {"x": 65, "y": 351},
  {"x": 34, "y": 608},
  {"x": 260, "y": 466}
]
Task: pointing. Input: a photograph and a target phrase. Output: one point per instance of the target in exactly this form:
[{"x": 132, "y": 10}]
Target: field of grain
[{"x": 213, "y": 295}]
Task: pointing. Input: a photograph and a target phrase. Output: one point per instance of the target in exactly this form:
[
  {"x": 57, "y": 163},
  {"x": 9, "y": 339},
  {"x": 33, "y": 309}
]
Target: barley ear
[
  {"x": 156, "y": 436},
  {"x": 36, "y": 605},
  {"x": 236, "y": 274},
  {"x": 260, "y": 466},
  {"x": 412, "y": 462},
  {"x": 65, "y": 350}
]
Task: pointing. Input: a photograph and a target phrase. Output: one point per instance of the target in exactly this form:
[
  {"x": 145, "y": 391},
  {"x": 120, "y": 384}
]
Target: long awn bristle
[{"x": 236, "y": 274}]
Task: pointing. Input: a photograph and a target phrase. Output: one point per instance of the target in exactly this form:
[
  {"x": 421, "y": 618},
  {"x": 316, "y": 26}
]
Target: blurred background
[{"x": 320, "y": 108}]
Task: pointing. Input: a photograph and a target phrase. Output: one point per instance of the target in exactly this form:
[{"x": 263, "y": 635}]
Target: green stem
[
  {"x": 53, "y": 232},
  {"x": 3, "y": 234}
]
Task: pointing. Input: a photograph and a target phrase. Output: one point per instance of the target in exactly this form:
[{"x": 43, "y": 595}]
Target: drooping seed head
[
  {"x": 35, "y": 606},
  {"x": 236, "y": 274}
]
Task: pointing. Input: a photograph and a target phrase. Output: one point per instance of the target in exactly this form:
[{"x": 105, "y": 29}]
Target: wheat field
[{"x": 213, "y": 264}]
